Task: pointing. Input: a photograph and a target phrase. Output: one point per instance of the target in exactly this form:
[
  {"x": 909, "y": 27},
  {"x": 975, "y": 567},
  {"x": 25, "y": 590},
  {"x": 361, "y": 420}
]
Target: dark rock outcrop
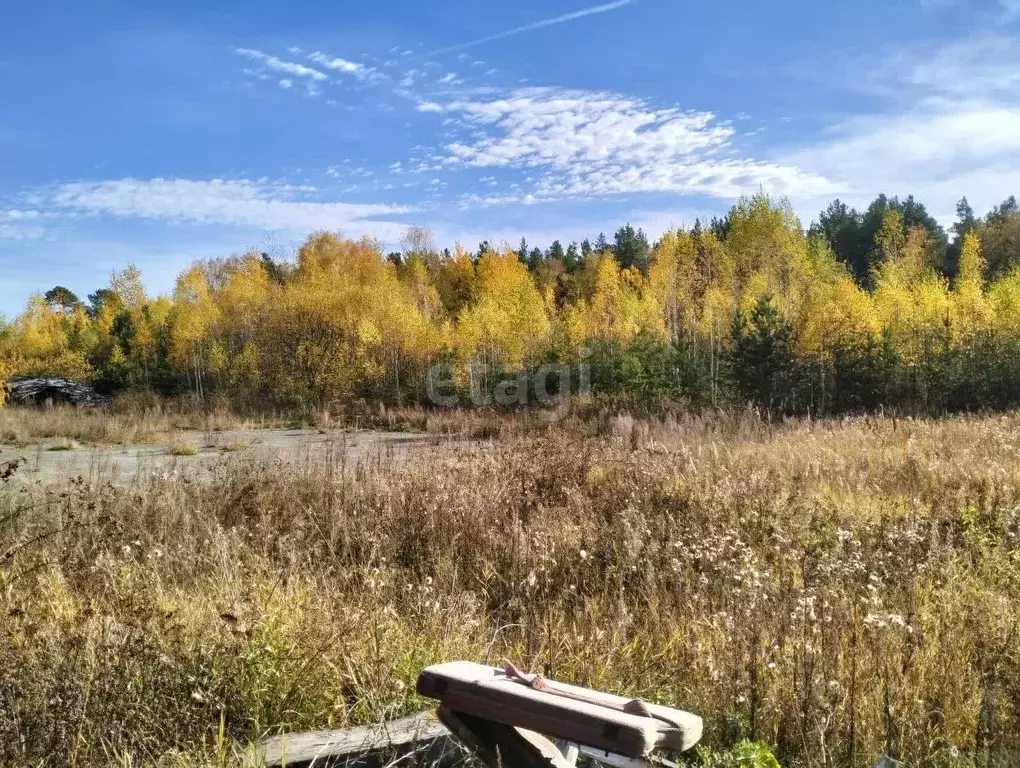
[{"x": 53, "y": 390}]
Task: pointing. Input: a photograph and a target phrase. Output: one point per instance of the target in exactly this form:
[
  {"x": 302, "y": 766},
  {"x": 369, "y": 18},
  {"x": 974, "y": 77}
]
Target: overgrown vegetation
[
  {"x": 880, "y": 309},
  {"x": 130, "y": 421},
  {"x": 836, "y": 590}
]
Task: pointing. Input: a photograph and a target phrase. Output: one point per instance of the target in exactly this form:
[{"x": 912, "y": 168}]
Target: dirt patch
[{"x": 128, "y": 464}]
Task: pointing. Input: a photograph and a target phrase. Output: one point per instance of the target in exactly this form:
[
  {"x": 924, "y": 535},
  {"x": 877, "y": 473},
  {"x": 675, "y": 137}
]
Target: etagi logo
[{"x": 550, "y": 386}]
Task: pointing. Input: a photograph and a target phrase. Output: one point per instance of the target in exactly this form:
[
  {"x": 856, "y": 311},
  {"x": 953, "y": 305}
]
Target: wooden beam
[
  {"x": 367, "y": 746},
  {"x": 496, "y": 744}
]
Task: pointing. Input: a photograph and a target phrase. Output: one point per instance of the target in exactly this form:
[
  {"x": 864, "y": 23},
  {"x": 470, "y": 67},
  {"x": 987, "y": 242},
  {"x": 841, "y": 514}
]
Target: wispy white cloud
[
  {"x": 583, "y": 144},
  {"x": 255, "y": 204},
  {"x": 13, "y": 232},
  {"x": 1005, "y": 10},
  {"x": 590, "y": 11},
  {"x": 937, "y": 153},
  {"x": 17, "y": 214},
  {"x": 951, "y": 128},
  {"x": 256, "y": 73},
  {"x": 346, "y": 66},
  {"x": 21, "y": 224},
  {"x": 985, "y": 67},
  {"x": 287, "y": 67},
  {"x": 335, "y": 62}
]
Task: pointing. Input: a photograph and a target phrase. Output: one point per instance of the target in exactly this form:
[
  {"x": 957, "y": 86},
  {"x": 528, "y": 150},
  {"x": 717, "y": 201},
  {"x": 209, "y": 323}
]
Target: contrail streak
[{"x": 538, "y": 25}]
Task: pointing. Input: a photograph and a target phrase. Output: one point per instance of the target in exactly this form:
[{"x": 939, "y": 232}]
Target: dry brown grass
[
  {"x": 182, "y": 448},
  {"x": 838, "y": 590},
  {"x": 131, "y": 420}
]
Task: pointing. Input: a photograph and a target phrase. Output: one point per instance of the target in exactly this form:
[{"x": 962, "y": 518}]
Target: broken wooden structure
[
  {"x": 53, "y": 391},
  {"x": 505, "y": 719}
]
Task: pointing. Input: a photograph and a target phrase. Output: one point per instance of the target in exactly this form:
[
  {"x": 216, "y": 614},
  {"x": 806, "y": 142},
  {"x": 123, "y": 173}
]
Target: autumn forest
[{"x": 880, "y": 308}]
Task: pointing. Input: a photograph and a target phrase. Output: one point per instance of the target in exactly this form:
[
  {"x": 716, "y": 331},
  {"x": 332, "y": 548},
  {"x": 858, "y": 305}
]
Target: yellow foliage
[
  {"x": 1003, "y": 299},
  {"x": 672, "y": 281},
  {"x": 508, "y": 323},
  {"x": 343, "y": 321},
  {"x": 890, "y": 239},
  {"x": 765, "y": 238},
  {"x": 827, "y": 306},
  {"x": 972, "y": 311},
  {"x": 912, "y": 301},
  {"x": 50, "y": 342},
  {"x": 456, "y": 282},
  {"x": 193, "y": 316},
  {"x": 618, "y": 306}
]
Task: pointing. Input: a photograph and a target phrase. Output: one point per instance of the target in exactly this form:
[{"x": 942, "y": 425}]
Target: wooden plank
[
  {"x": 364, "y": 746},
  {"x": 579, "y": 715},
  {"x": 600, "y": 722}
]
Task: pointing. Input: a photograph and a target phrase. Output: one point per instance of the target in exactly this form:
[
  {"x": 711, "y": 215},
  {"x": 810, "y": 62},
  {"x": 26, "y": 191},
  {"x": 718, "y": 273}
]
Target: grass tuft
[{"x": 180, "y": 448}]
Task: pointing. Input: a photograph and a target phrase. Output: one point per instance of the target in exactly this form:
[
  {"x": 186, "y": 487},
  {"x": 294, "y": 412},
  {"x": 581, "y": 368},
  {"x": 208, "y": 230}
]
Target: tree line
[{"x": 863, "y": 310}]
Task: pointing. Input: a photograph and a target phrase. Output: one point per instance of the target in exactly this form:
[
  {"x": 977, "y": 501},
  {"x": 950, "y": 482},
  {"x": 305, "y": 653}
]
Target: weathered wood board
[
  {"x": 616, "y": 724},
  {"x": 421, "y": 740},
  {"x": 486, "y": 711},
  {"x": 369, "y": 746}
]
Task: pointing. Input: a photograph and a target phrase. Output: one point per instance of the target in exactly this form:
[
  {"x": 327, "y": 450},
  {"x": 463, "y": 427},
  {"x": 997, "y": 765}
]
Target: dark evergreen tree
[
  {"x": 571, "y": 257},
  {"x": 61, "y": 298},
  {"x": 522, "y": 251},
  {"x": 966, "y": 221},
  {"x": 842, "y": 227},
  {"x": 124, "y": 331},
  {"x": 276, "y": 272},
  {"x": 101, "y": 298},
  {"x": 631, "y": 248},
  {"x": 762, "y": 359},
  {"x": 535, "y": 259},
  {"x": 1000, "y": 238},
  {"x": 720, "y": 226},
  {"x": 1003, "y": 211},
  {"x": 852, "y": 234}
]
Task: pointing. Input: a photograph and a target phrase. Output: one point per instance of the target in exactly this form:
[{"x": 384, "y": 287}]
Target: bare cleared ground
[{"x": 56, "y": 459}]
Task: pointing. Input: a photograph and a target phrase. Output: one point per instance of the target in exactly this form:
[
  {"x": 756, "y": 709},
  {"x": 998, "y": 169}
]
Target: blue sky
[{"x": 163, "y": 135}]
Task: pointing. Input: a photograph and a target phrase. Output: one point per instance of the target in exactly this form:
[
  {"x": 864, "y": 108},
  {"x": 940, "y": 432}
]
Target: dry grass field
[
  {"x": 837, "y": 590},
  {"x": 133, "y": 420}
]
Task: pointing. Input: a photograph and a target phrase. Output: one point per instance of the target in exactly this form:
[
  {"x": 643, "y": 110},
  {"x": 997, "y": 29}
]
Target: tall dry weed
[{"x": 839, "y": 590}]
